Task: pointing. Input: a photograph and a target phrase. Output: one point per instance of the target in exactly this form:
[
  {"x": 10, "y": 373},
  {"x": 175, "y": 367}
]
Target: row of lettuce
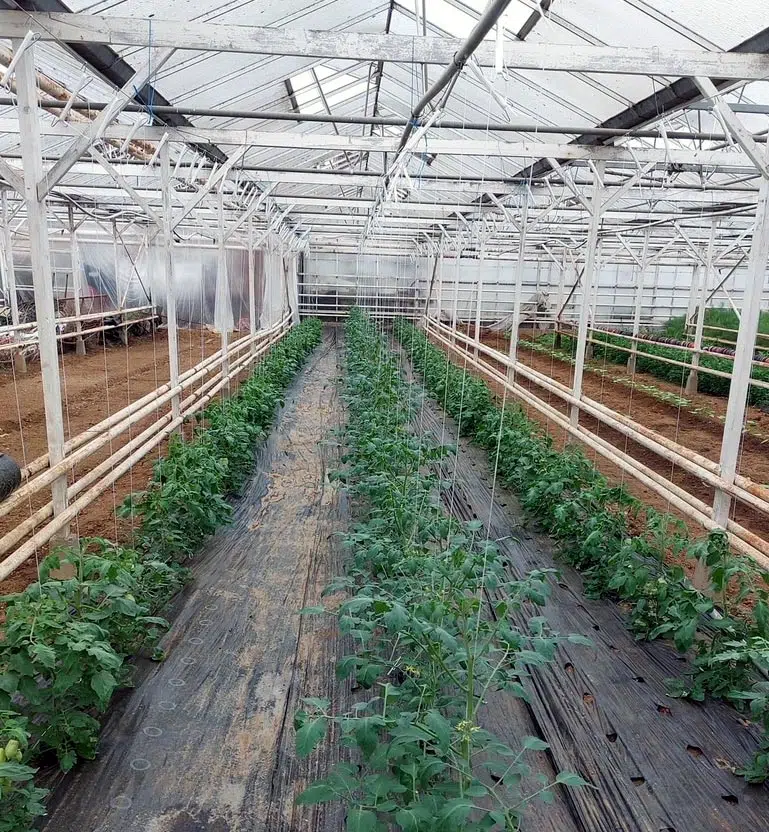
[
  {"x": 606, "y": 347},
  {"x": 69, "y": 638},
  {"x": 426, "y": 642},
  {"x": 624, "y": 549}
]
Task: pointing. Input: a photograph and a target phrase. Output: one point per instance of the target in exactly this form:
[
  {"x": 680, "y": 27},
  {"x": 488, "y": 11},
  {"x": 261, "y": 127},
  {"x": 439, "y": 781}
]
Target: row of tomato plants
[
  {"x": 624, "y": 549},
  {"x": 429, "y": 644},
  {"x": 605, "y": 347},
  {"x": 70, "y": 636}
]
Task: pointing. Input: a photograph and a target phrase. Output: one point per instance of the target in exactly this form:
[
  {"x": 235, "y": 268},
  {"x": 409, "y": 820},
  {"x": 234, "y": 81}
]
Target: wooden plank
[{"x": 206, "y": 36}]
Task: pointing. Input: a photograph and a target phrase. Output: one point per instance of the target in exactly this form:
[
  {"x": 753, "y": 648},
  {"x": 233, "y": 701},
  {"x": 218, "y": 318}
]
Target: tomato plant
[
  {"x": 21, "y": 801},
  {"x": 620, "y": 545},
  {"x": 68, "y": 641},
  {"x": 430, "y": 641}
]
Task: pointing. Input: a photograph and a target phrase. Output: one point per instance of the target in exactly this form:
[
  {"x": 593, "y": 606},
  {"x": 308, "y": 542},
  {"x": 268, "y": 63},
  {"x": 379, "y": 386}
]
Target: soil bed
[{"x": 94, "y": 386}]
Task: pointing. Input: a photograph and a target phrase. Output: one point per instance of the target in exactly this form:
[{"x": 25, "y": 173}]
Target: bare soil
[{"x": 94, "y": 386}]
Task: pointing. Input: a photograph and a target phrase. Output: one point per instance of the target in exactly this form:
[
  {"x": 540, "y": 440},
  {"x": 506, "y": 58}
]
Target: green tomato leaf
[
  {"x": 102, "y": 684},
  {"x": 361, "y": 820},
  {"x": 309, "y": 736}
]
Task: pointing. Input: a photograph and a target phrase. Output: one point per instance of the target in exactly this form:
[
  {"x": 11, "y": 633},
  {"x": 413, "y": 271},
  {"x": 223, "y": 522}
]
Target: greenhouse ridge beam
[
  {"x": 383, "y": 121},
  {"x": 430, "y": 145},
  {"x": 77, "y": 29}
]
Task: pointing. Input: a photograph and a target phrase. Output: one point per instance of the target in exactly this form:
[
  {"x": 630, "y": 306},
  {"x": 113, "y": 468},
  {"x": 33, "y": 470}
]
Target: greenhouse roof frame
[{"x": 232, "y": 70}]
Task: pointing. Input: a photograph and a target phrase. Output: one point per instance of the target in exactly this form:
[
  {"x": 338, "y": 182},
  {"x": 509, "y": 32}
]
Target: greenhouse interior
[{"x": 384, "y": 409}]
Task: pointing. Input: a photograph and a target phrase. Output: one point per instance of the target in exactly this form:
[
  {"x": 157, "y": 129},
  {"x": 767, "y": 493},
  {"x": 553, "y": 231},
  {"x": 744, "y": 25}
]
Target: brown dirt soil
[
  {"x": 107, "y": 379},
  {"x": 697, "y": 432}
]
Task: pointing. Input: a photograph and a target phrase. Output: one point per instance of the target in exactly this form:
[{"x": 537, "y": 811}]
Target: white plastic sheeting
[{"x": 273, "y": 303}]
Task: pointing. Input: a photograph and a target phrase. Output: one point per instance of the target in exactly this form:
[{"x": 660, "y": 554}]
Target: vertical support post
[
  {"x": 593, "y": 310},
  {"x": 19, "y": 361},
  {"x": 518, "y": 297},
  {"x": 439, "y": 290},
  {"x": 222, "y": 296},
  {"x": 691, "y": 306},
  {"x": 587, "y": 284},
  {"x": 168, "y": 276},
  {"x": 706, "y": 276},
  {"x": 77, "y": 279},
  {"x": 743, "y": 358},
  {"x": 559, "y": 303},
  {"x": 122, "y": 331},
  {"x": 42, "y": 273},
  {"x": 455, "y": 308},
  {"x": 251, "y": 288},
  {"x": 639, "y": 299},
  {"x": 479, "y": 298}
]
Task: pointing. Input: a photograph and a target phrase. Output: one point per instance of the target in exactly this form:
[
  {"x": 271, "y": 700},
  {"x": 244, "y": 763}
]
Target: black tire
[{"x": 10, "y": 475}]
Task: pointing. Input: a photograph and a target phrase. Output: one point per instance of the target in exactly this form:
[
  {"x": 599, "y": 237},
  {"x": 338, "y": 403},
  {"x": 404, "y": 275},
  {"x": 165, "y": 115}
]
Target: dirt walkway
[{"x": 205, "y": 742}]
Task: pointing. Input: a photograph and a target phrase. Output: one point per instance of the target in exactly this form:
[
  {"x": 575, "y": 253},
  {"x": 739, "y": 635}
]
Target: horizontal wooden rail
[
  {"x": 126, "y": 457},
  {"x": 742, "y": 539}
]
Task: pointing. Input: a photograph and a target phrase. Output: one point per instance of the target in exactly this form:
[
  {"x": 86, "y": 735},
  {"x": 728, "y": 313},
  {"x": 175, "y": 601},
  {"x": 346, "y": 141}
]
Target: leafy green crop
[
  {"x": 620, "y": 545},
  {"x": 725, "y": 319},
  {"x": 430, "y": 641},
  {"x": 185, "y": 500},
  {"x": 606, "y": 348},
  {"x": 20, "y": 800}
]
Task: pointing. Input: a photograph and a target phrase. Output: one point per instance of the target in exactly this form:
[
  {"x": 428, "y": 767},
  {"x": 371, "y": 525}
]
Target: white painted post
[
  {"x": 77, "y": 279},
  {"x": 251, "y": 287},
  {"x": 455, "y": 309},
  {"x": 639, "y": 298},
  {"x": 746, "y": 340},
  {"x": 706, "y": 276},
  {"x": 439, "y": 291},
  {"x": 593, "y": 310},
  {"x": 223, "y": 296},
  {"x": 42, "y": 273},
  {"x": 19, "y": 361},
  {"x": 518, "y": 297},
  {"x": 168, "y": 274},
  {"x": 587, "y": 284},
  {"x": 479, "y": 298},
  {"x": 122, "y": 330},
  {"x": 559, "y": 302}
]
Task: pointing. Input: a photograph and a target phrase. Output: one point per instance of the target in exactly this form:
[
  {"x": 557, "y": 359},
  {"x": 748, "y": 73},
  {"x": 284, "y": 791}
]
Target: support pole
[
  {"x": 587, "y": 284},
  {"x": 169, "y": 282},
  {"x": 42, "y": 273},
  {"x": 518, "y": 297},
  {"x": 705, "y": 281},
  {"x": 455, "y": 308},
  {"x": 123, "y": 330},
  {"x": 251, "y": 287},
  {"x": 439, "y": 289},
  {"x": 479, "y": 298},
  {"x": 746, "y": 340},
  {"x": 19, "y": 361},
  {"x": 77, "y": 279},
  {"x": 639, "y": 299},
  {"x": 223, "y": 297}
]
